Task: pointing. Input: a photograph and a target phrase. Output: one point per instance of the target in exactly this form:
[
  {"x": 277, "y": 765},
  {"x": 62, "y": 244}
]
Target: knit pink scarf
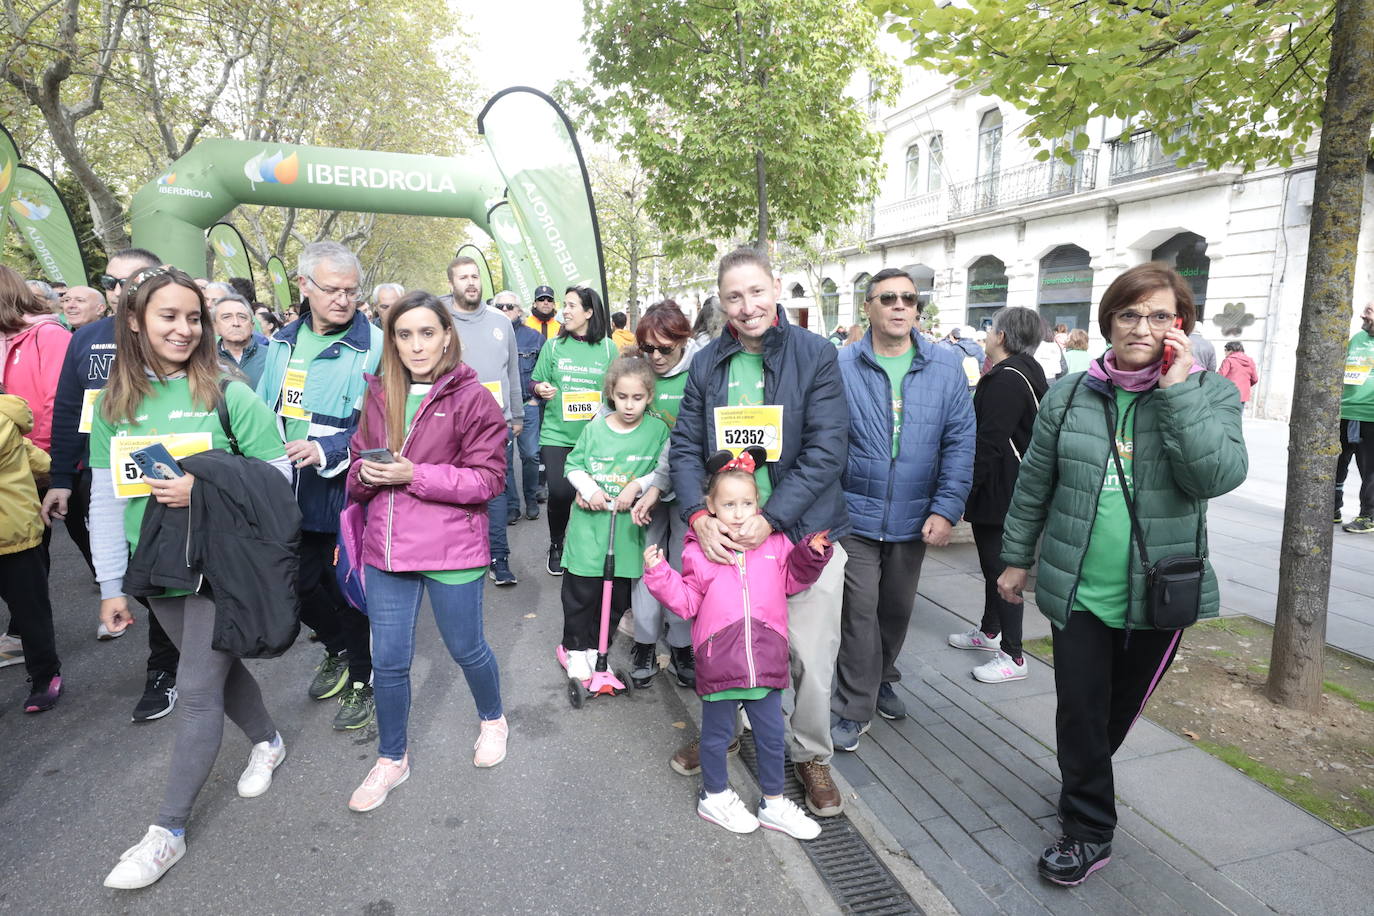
[{"x": 1130, "y": 379}]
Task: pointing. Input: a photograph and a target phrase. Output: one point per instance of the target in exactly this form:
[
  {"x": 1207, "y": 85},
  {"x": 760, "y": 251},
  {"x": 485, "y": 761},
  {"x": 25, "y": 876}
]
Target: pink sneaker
[
  {"x": 386, "y": 775},
  {"x": 491, "y": 743}
]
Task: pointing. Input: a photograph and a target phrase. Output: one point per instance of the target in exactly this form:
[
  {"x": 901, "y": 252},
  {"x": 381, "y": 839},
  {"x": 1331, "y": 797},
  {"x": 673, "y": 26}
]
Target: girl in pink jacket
[{"x": 739, "y": 634}]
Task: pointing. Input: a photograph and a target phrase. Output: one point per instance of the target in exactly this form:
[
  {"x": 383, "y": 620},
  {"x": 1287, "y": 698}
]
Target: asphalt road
[{"x": 583, "y": 816}]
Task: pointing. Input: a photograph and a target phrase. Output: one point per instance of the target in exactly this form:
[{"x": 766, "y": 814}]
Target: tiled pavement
[{"x": 968, "y": 783}]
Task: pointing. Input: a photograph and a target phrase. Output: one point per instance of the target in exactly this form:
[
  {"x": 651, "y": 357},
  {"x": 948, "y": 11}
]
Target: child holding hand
[{"x": 739, "y": 635}]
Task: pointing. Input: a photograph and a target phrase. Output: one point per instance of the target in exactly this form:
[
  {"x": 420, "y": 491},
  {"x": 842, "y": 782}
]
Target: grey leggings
[{"x": 210, "y": 685}]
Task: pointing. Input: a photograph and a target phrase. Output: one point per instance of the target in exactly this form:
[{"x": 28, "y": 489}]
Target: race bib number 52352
[{"x": 737, "y": 428}]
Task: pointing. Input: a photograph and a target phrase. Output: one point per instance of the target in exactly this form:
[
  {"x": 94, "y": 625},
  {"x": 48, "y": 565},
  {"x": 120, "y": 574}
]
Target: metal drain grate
[{"x": 850, "y": 869}]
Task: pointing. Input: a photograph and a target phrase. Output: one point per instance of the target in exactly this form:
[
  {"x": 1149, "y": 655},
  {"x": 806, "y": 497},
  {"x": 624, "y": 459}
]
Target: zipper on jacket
[
  {"x": 1082, "y": 557},
  {"x": 748, "y": 627},
  {"x": 391, "y": 496},
  {"x": 201, "y": 576}
]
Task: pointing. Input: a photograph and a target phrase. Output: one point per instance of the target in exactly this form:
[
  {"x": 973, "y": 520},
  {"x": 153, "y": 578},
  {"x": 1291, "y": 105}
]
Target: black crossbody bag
[{"x": 1173, "y": 585}]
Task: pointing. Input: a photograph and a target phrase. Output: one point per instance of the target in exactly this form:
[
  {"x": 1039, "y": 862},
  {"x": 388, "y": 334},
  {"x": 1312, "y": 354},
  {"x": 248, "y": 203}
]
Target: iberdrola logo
[
  {"x": 224, "y": 248},
  {"x": 278, "y": 278},
  {"x": 29, "y": 210},
  {"x": 6, "y": 174},
  {"x": 272, "y": 169},
  {"x": 169, "y": 178},
  {"x": 167, "y": 184}
]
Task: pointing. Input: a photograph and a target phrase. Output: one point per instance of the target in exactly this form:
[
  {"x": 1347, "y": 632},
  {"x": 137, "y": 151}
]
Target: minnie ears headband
[{"x": 749, "y": 460}]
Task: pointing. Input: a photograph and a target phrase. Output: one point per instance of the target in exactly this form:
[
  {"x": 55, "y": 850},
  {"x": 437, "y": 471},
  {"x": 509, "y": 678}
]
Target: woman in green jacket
[{"x": 1178, "y": 438}]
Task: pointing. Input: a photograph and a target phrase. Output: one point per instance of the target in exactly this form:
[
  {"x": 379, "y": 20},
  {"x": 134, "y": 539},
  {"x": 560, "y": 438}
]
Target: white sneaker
[
  {"x": 11, "y": 650},
  {"x": 257, "y": 777},
  {"x": 976, "y": 639},
  {"x": 103, "y": 632},
  {"x": 1001, "y": 668},
  {"x": 726, "y": 810},
  {"x": 783, "y": 815},
  {"x": 578, "y": 669},
  {"x": 147, "y": 860},
  {"x": 626, "y": 627}
]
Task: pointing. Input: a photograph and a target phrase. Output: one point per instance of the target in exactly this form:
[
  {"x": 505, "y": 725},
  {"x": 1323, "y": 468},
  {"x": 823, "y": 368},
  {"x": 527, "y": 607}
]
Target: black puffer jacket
[
  {"x": 1005, "y": 405},
  {"x": 241, "y": 534}
]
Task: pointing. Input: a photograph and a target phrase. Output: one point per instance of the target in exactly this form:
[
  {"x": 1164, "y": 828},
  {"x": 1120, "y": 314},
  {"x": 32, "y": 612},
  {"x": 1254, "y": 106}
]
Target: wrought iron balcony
[
  {"x": 912, "y": 213},
  {"x": 1140, "y": 156},
  {"x": 1023, "y": 184}
]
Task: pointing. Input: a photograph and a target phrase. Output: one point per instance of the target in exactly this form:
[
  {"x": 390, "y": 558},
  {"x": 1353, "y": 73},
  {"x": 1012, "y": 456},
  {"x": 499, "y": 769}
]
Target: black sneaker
[
  {"x": 555, "y": 565},
  {"x": 500, "y": 572},
  {"x": 1069, "y": 861},
  {"x": 512, "y": 519},
  {"x": 541, "y": 495},
  {"x": 890, "y": 706},
  {"x": 532, "y": 511},
  {"x": 684, "y": 666},
  {"x": 643, "y": 664},
  {"x": 159, "y": 697}
]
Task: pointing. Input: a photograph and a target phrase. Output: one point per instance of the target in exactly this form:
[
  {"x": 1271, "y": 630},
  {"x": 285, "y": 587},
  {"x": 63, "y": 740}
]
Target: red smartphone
[{"x": 1169, "y": 351}]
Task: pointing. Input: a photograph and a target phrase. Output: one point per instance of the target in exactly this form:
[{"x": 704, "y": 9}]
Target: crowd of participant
[{"x": 773, "y": 498}]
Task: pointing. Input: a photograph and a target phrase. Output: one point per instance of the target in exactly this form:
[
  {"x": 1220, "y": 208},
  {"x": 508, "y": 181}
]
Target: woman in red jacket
[{"x": 428, "y": 456}]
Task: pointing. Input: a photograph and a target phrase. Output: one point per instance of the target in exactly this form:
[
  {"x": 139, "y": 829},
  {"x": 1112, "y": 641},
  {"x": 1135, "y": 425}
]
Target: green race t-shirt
[
  {"x": 668, "y": 397},
  {"x": 578, "y": 370},
  {"x": 169, "y": 409},
  {"x": 738, "y": 693},
  {"x": 896, "y": 368},
  {"x": 1357, "y": 395},
  {"x": 1104, "y": 586},
  {"x": 613, "y": 459},
  {"x": 308, "y": 346},
  {"x": 746, "y": 390},
  {"x": 414, "y": 399}
]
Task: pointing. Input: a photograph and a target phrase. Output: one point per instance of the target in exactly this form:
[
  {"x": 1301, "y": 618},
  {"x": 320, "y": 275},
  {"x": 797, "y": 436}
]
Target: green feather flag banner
[
  {"x": 472, "y": 251},
  {"x": 281, "y": 287},
  {"x": 231, "y": 255},
  {"x": 40, "y": 215}
]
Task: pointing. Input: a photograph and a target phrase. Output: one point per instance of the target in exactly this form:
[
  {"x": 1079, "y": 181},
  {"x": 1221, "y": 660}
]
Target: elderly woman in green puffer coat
[{"x": 1178, "y": 442}]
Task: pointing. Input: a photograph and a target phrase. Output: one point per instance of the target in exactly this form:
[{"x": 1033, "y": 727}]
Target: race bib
[
  {"x": 495, "y": 389},
  {"x": 128, "y": 477},
  {"x": 1356, "y": 373},
  {"x": 737, "y": 428},
  {"x": 293, "y": 395},
  {"x": 580, "y": 405},
  {"x": 87, "y": 411},
  {"x": 972, "y": 371}
]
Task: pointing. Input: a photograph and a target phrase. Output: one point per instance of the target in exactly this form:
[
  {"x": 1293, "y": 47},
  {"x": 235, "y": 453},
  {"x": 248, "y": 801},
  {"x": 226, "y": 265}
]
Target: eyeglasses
[
  {"x": 889, "y": 299},
  {"x": 1127, "y": 321},
  {"x": 351, "y": 293},
  {"x": 507, "y": 306},
  {"x": 661, "y": 351},
  {"x": 110, "y": 283}
]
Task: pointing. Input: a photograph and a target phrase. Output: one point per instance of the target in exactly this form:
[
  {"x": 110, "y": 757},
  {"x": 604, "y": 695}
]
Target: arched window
[
  {"x": 990, "y": 143},
  {"x": 913, "y": 170},
  {"x": 987, "y": 290},
  {"x": 860, "y": 288},
  {"x": 830, "y": 304},
  {"x": 1066, "y": 287},
  {"x": 1187, "y": 254},
  {"x": 935, "y": 178},
  {"x": 798, "y": 292},
  {"x": 924, "y": 278}
]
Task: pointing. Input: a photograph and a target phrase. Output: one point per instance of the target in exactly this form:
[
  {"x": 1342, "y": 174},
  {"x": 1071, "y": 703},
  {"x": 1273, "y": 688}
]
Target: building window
[
  {"x": 924, "y": 278},
  {"x": 987, "y": 290},
  {"x": 935, "y": 178},
  {"x": 1187, "y": 254},
  {"x": 830, "y": 304},
  {"x": 913, "y": 170},
  {"x": 1066, "y": 287},
  {"x": 990, "y": 143},
  {"x": 860, "y": 288}
]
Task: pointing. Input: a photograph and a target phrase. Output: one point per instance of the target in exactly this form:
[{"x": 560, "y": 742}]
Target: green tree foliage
[
  {"x": 1219, "y": 82},
  {"x": 738, "y": 110}
]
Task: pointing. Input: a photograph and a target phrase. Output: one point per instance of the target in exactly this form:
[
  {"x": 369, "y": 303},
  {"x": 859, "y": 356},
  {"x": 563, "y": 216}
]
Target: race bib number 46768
[
  {"x": 737, "y": 428},
  {"x": 580, "y": 405}
]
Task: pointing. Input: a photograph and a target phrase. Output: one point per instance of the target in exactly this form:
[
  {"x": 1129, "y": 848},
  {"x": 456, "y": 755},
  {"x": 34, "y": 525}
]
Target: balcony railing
[
  {"x": 1023, "y": 184},
  {"x": 912, "y": 213},
  {"x": 1140, "y": 156}
]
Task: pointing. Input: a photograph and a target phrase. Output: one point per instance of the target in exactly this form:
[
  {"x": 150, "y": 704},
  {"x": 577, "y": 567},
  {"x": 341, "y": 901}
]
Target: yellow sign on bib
[
  {"x": 495, "y": 389},
  {"x": 1357, "y": 373},
  {"x": 580, "y": 405},
  {"x": 128, "y": 478},
  {"x": 737, "y": 428},
  {"x": 293, "y": 395},
  {"x": 88, "y": 410}
]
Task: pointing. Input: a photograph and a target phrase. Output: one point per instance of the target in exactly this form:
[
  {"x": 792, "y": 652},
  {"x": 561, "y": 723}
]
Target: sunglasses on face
[
  {"x": 889, "y": 299},
  {"x": 507, "y": 306},
  {"x": 661, "y": 351},
  {"x": 110, "y": 283},
  {"x": 544, "y": 299}
]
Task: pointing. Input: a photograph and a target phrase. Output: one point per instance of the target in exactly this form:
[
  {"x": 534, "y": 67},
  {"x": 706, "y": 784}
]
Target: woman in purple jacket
[{"x": 428, "y": 456}]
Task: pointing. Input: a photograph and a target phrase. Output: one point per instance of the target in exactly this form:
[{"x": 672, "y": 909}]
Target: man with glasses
[
  {"x": 910, "y": 467},
  {"x": 85, "y": 371},
  {"x": 542, "y": 312},
  {"x": 313, "y": 379},
  {"x": 488, "y": 342},
  {"x": 528, "y": 343}
]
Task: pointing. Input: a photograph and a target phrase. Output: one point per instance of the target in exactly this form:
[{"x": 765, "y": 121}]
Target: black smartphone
[
  {"x": 157, "y": 463},
  {"x": 377, "y": 455}
]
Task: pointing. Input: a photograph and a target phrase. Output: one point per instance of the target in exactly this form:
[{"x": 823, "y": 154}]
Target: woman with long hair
[
  {"x": 569, "y": 376},
  {"x": 428, "y": 456},
  {"x": 165, "y": 385},
  {"x": 33, "y": 344}
]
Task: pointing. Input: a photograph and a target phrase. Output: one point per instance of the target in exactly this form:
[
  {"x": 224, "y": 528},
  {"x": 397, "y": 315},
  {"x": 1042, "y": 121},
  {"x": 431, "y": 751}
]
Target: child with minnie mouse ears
[{"x": 739, "y": 634}]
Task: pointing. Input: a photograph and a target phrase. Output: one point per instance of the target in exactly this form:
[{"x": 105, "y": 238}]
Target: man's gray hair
[
  {"x": 332, "y": 253},
  {"x": 396, "y": 288},
  {"x": 231, "y": 297},
  {"x": 41, "y": 288},
  {"x": 223, "y": 290},
  {"x": 1020, "y": 327},
  {"x": 509, "y": 293}
]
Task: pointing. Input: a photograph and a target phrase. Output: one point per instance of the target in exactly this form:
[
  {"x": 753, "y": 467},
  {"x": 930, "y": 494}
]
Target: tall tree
[
  {"x": 630, "y": 242},
  {"x": 1219, "y": 82},
  {"x": 738, "y": 110}
]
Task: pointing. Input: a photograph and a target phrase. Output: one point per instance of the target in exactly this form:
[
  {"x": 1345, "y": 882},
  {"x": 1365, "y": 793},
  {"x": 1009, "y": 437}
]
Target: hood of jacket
[
  {"x": 16, "y": 410},
  {"x": 689, "y": 349}
]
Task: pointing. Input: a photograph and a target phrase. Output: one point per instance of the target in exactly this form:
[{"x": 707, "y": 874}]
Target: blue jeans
[
  {"x": 528, "y": 443},
  {"x": 393, "y": 607},
  {"x": 498, "y": 511}
]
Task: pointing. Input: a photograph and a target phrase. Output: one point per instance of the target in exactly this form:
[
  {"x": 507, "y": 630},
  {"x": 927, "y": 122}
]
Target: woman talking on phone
[
  {"x": 165, "y": 385},
  {"x": 429, "y": 454},
  {"x": 1121, "y": 463}
]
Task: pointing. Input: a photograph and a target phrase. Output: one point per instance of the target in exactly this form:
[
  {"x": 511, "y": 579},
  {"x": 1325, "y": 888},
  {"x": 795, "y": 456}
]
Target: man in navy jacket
[{"x": 911, "y": 437}]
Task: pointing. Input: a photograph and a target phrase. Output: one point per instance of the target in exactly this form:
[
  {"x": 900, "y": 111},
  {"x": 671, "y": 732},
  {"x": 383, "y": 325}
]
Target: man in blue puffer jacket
[{"x": 911, "y": 436}]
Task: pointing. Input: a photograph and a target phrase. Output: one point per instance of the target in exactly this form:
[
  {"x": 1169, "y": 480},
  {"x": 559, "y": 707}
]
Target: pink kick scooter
[{"x": 603, "y": 682}]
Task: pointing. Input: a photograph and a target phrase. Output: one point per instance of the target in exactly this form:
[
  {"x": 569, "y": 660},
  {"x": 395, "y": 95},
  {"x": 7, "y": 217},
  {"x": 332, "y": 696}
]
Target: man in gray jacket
[{"x": 489, "y": 348}]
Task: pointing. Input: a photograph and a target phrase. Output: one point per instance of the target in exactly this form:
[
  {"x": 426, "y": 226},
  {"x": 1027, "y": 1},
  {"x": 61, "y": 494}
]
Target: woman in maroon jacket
[{"x": 428, "y": 456}]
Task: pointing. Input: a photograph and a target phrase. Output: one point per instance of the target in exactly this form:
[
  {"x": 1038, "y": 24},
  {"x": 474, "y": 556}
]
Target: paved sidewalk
[{"x": 968, "y": 784}]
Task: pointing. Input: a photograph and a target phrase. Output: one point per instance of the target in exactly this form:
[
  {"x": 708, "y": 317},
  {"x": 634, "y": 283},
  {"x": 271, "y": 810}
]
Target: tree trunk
[
  {"x": 632, "y": 307},
  {"x": 107, "y": 212},
  {"x": 761, "y": 176},
  {"x": 1295, "y": 673}
]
